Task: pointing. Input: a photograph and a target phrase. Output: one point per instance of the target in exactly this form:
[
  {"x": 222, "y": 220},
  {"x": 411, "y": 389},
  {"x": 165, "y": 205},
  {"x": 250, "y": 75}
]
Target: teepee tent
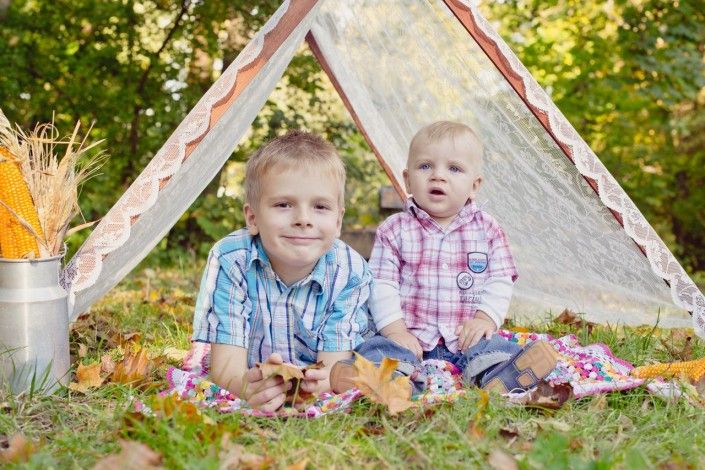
[{"x": 578, "y": 240}]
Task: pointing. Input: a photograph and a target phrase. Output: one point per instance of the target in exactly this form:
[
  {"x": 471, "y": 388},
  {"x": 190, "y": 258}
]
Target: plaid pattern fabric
[
  {"x": 440, "y": 272},
  {"x": 243, "y": 302}
]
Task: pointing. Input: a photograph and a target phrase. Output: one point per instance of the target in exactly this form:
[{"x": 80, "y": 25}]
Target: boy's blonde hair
[
  {"x": 295, "y": 149},
  {"x": 441, "y": 130}
]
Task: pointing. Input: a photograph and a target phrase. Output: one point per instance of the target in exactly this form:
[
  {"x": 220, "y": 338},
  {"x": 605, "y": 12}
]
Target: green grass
[{"x": 621, "y": 430}]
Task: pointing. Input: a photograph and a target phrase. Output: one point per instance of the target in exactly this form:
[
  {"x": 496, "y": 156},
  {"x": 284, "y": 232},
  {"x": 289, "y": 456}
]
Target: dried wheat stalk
[{"x": 53, "y": 181}]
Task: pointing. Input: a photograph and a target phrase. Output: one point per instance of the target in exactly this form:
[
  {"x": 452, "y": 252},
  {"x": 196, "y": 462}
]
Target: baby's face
[{"x": 443, "y": 176}]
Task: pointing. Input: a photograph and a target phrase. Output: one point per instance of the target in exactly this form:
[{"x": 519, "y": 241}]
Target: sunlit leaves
[{"x": 379, "y": 385}]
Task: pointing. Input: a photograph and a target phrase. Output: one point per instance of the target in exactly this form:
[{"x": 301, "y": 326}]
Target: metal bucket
[{"x": 34, "y": 326}]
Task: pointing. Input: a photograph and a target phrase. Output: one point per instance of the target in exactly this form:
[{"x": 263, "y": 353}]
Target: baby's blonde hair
[
  {"x": 441, "y": 130},
  {"x": 295, "y": 149}
]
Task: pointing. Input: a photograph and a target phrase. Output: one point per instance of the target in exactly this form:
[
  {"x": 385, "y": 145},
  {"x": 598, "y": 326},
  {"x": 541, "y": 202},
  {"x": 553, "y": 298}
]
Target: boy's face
[
  {"x": 442, "y": 176},
  {"x": 297, "y": 218}
]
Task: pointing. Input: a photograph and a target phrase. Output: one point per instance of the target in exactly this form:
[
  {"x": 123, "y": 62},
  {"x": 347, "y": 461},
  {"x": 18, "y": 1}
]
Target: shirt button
[{"x": 444, "y": 266}]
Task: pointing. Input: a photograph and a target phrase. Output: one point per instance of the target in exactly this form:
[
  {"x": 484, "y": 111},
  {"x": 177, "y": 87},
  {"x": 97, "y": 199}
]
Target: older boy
[
  {"x": 284, "y": 289},
  {"x": 443, "y": 270}
]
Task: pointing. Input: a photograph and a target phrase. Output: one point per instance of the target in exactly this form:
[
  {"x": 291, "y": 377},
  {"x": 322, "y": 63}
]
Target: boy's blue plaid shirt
[{"x": 242, "y": 302}]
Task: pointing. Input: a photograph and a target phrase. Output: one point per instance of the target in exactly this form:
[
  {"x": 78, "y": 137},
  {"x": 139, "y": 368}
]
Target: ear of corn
[
  {"x": 16, "y": 241},
  {"x": 694, "y": 370}
]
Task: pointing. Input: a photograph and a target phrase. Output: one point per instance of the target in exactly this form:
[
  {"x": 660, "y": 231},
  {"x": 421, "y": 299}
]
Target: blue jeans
[{"x": 474, "y": 363}]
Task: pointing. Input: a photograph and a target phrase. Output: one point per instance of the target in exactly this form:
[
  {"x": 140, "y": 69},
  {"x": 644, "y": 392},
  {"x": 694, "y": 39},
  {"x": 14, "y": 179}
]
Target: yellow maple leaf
[
  {"x": 377, "y": 384},
  {"x": 87, "y": 377}
]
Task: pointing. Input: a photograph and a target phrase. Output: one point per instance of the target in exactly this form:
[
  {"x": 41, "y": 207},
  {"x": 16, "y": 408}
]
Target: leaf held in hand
[
  {"x": 87, "y": 377},
  {"x": 377, "y": 384}
]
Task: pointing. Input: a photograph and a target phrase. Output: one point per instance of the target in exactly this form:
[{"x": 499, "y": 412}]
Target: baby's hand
[
  {"x": 407, "y": 340},
  {"x": 264, "y": 393},
  {"x": 470, "y": 332}
]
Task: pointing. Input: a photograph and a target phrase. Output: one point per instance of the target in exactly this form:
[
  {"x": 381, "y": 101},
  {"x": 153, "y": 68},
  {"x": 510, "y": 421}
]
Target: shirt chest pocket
[{"x": 474, "y": 270}]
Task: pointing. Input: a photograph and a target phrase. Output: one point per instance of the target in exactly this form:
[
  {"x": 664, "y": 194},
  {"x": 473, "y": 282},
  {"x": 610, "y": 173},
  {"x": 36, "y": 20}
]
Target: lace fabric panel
[
  {"x": 172, "y": 181},
  {"x": 569, "y": 249}
]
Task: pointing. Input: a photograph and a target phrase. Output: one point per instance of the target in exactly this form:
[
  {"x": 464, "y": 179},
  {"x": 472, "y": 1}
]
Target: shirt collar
[
  {"x": 466, "y": 214},
  {"x": 318, "y": 274}
]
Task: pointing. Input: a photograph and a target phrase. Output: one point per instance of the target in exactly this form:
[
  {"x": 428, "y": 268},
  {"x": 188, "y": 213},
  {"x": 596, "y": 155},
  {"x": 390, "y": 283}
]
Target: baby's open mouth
[{"x": 437, "y": 192}]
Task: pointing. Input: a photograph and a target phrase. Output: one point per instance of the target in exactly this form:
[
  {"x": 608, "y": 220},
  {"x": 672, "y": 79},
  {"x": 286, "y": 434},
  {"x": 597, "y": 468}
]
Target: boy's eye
[
  {"x": 424, "y": 166},
  {"x": 282, "y": 204},
  {"x": 455, "y": 169},
  {"x": 322, "y": 207}
]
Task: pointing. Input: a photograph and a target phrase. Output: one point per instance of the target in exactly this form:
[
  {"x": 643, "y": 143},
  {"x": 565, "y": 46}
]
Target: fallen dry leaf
[
  {"x": 545, "y": 396},
  {"x": 87, "y": 377},
  {"x": 677, "y": 352},
  {"x": 509, "y": 432},
  {"x": 17, "y": 449},
  {"x": 235, "y": 457},
  {"x": 82, "y": 350},
  {"x": 568, "y": 317},
  {"x": 132, "y": 456},
  {"x": 107, "y": 364},
  {"x": 119, "y": 339},
  {"x": 500, "y": 460},
  {"x": 135, "y": 368},
  {"x": 298, "y": 466},
  {"x": 377, "y": 384}
]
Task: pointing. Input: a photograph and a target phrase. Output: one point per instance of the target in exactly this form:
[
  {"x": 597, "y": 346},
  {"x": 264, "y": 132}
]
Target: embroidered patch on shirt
[
  {"x": 477, "y": 261},
  {"x": 464, "y": 280}
]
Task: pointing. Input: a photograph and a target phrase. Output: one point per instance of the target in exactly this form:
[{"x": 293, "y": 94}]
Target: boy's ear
[
  {"x": 339, "y": 222},
  {"x": 250, "y": 219}
]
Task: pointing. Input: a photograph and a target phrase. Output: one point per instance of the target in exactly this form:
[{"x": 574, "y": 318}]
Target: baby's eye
[
  {"x": 424, "y": 166},
  {"x": 284, "y": 205},
  {"x": 455, "y": 169},
  {"x": 322, "y": 207}
]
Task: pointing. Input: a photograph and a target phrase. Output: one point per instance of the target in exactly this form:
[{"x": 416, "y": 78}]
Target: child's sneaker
[
  {"x": 341, "y": 376},
  {"x": 523, "y": 371}
]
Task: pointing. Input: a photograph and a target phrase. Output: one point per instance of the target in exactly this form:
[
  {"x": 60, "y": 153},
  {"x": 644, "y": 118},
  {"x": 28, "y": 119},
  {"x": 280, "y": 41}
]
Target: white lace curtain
[{"x": 404, "y": 64}]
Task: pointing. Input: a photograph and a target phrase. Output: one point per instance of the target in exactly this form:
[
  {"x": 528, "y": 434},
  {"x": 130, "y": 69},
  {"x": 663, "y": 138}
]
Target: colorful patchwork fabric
[{"x": 590, "y": 370}]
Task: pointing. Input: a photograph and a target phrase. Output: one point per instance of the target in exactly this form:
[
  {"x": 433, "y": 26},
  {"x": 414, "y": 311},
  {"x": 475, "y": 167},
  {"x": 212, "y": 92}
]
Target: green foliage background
[{"x": 629, "y": 75}]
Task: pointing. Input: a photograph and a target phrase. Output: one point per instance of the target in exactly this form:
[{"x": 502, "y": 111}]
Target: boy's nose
[{"x": 303, "y": 218}]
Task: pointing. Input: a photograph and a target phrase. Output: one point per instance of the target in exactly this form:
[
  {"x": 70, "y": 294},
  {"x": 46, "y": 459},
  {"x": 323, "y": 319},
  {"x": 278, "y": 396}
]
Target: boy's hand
[
  {"x": 267, "y": 394},
  {"x": 315, "y": 381},
  {"x": 407, "y": 340},
  {"x": 470, "y": 332}
]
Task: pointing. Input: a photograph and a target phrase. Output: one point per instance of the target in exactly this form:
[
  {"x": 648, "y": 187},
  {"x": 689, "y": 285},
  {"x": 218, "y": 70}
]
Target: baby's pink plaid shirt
[{"x": 432, "y": 268}]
